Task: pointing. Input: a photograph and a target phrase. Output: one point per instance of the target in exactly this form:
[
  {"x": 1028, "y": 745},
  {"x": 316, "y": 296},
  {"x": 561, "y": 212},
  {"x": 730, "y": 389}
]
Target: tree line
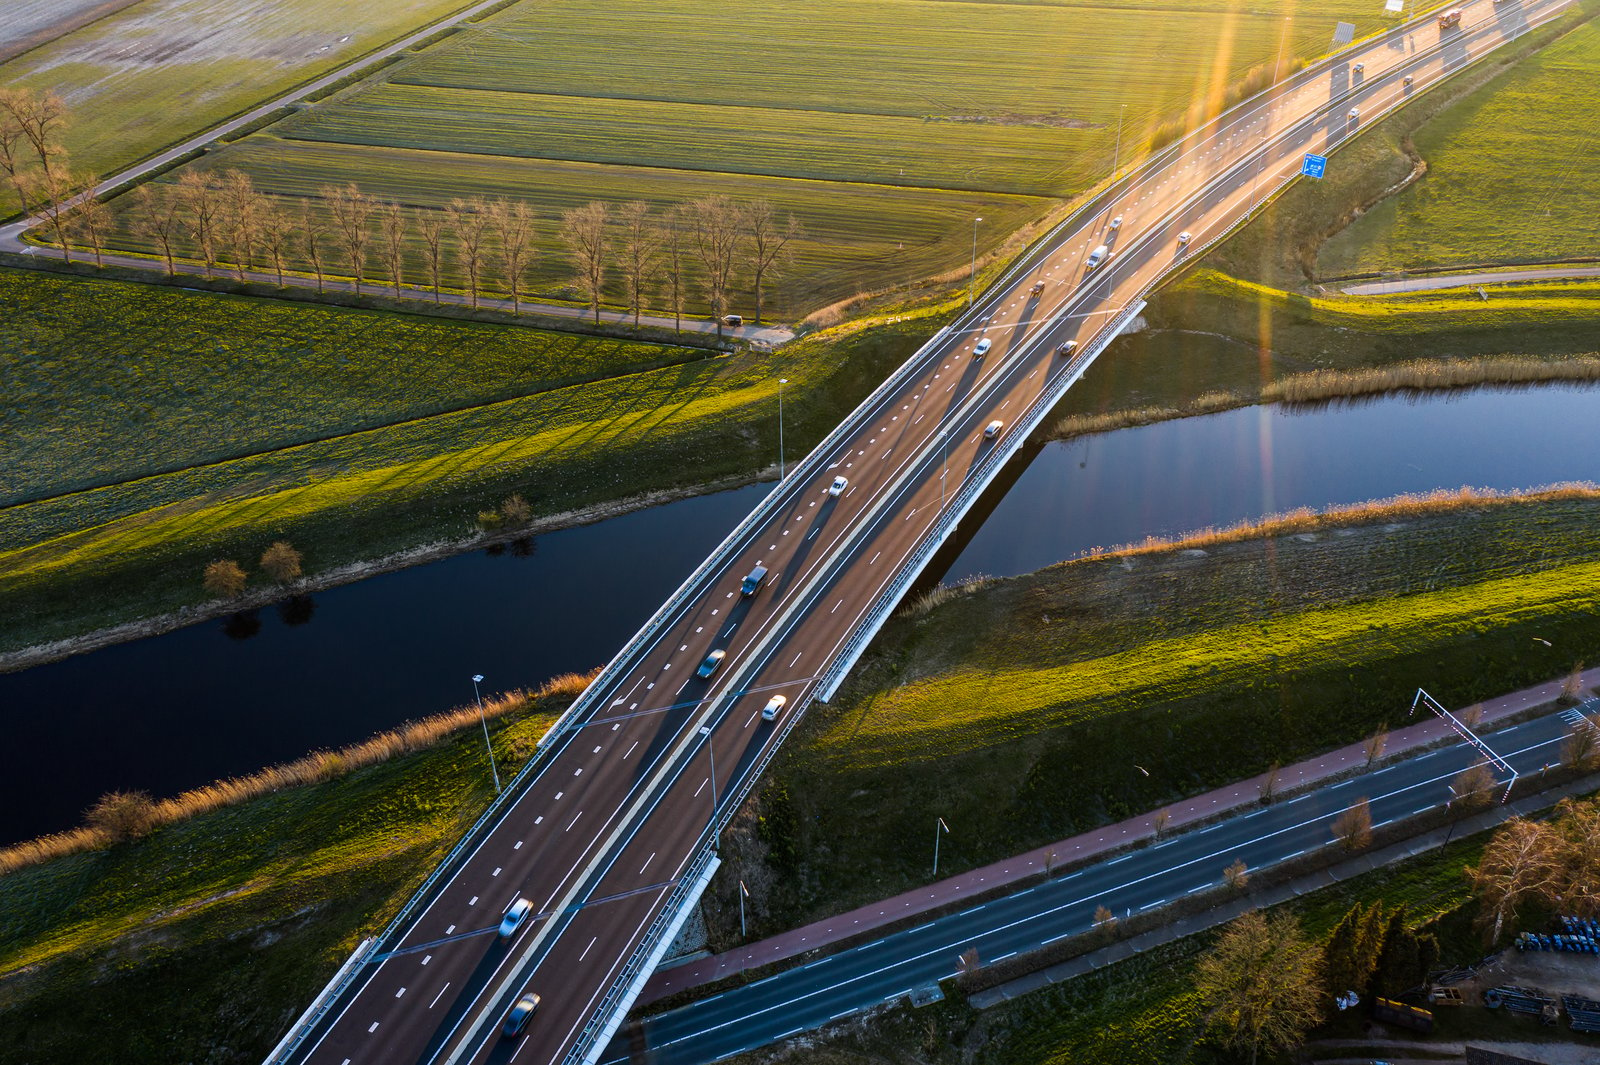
[{"x": 708, "y": 245}]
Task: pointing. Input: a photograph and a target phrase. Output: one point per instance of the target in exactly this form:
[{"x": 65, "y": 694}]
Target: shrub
[
  {"x": 516, "y": 511},
  {"x": 123, "y": 815},
  {"x": 225, "y": 578},
  {"x": 281, "y": 562}
]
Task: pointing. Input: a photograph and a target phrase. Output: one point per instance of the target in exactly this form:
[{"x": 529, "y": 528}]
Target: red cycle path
[{"x": 1021, "y": 867}]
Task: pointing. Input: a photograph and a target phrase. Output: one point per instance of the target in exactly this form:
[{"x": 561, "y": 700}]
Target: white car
[
  {"x": 1355, "y": 113},
  {"x": 1406, "y": 81},
  {"x": 1184, "y": 238},
  {"x": 1067, "y": 347},
  {"x": 981, "y": 348},
  {"x": 838, "y": 486},
  {"x": 1116, "y": 223},
  {"x": 1097, "y": 257},
  {"x": 992, "y": 430},
  {"x": 1360, "y": 67},
  {"x": 773, "y": 708},
  {"x": 515, "y": 915}
]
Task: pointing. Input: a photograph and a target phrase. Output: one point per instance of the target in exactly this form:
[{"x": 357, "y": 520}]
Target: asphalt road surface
[
  {"x": 620, "y": 808},
  {"x": 885, "y": 969}
]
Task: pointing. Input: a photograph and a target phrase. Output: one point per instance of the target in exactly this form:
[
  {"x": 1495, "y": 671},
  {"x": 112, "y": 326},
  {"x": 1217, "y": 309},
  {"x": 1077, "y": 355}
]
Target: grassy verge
[
  {"x": 357, "y": 492},
  {"x": 205, "y": 938},
  {"x": 1023, "y": 712}
]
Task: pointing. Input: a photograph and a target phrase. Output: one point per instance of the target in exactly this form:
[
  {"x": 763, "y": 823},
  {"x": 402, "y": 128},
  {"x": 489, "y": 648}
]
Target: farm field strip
[
  {"x": 886, "y": 150},
  {"x": 991, "y": 110}
]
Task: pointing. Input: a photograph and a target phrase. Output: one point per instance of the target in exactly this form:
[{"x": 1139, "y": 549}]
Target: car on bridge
[
  {"x": 838, "y": 486},
  {"x": 515, "y": 915},
  {"x": 709, "y": 666},
  {"x": 1066, "y": 347},
  {"x": 992, "y": 430},
  {"x": 773, "y": 708},
  {"x": 517, "y": 1020},
  {"x": 981, "y": 348},
  {"x": 1097, "y": 257}
]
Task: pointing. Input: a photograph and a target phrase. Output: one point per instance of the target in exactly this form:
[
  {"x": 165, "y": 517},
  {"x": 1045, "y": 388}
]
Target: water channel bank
[{"x": 221, "y": 698}]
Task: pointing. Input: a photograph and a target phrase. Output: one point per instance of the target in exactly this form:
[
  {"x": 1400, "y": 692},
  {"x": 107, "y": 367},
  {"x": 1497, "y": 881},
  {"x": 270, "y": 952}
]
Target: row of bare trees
[{"x": 709, "y": 243}]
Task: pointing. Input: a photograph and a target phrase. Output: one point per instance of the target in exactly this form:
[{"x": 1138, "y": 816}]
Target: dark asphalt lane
[
  {"x": 622, "y": 803},
  {"x": 884, "y": 969}
]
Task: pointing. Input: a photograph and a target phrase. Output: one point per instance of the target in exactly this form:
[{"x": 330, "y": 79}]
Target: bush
[
  {"x": 281, "y": 562},
  {"x": 225, "y": 578},
  {"x": 122, "y": 815}
]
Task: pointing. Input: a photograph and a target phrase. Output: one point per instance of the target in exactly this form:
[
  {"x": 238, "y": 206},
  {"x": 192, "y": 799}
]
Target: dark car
[
  {"x": 520, "y": 1015},
  {"x": 709, "y": 666}
]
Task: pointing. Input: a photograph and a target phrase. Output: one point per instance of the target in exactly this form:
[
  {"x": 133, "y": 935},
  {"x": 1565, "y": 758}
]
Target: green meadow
[
  {"x": 1510, "y": 175},
  {"x": 884, "y": 127},
  {"x": 1023, "y": 711}
]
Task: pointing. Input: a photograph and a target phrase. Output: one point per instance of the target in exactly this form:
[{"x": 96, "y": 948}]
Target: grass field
[
  {"x": 134, "y": 546},
  {"x": 178, "y": 379},
  {"x": 1020, "y": 711},
  {"x": 151, "y": 74},
  {"x": 1510, "y": 175},
  {"x": 206, "y": 938},
  {"x": 885, "y": 127}
]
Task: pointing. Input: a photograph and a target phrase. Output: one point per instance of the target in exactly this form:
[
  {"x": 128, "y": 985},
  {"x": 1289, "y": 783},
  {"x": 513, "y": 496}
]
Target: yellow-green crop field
[
  {"x": 1511, "y": 175},
  {"x": 884, "y": 127}
]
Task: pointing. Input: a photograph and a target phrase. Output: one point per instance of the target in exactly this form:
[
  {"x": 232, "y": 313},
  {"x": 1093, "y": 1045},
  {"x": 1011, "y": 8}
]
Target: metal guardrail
[
  {"x": 601, "y": 1014},
  {"x": 322, "y": 1003}
]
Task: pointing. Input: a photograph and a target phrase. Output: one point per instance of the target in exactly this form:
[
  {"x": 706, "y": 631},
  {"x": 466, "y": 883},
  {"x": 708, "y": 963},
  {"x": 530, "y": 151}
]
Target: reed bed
[
  {"x": 1322, "y": 386},
  {"x": 136, "y": 813},
  {"x": 1304, "y": 519}
]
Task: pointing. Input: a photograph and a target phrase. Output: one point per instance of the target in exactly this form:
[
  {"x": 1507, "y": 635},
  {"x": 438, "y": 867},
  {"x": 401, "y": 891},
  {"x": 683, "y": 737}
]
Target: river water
[{"x": 178, "y": 710}]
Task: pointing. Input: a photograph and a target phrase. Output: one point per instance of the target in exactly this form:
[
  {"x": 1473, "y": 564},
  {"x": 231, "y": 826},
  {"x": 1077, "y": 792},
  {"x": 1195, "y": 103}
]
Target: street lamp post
[
  {"x": 477, "y": 678},
  {"x": 781, "y": 382},
  {"x": 972, "y": 274},
  {"x": 938, "y": 827},
  {"x": 743, "y": 893},
  {"x": 705, "y": 730}
]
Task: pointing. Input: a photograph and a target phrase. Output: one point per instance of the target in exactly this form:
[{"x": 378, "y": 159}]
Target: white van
[{"x": 1097, "y": 257}]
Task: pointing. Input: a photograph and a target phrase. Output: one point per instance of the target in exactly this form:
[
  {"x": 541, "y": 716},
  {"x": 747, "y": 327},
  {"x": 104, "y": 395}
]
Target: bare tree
[
  {"x": 276, "y": 233},
  {"x": 351, "y": 209},
  {"x": 239, "y": 218},
  {"x": 42, "y": 117},
  {"x": 432, "y": 226},
  {"x": 1374, "y": 746},
  {"x": 198, "y": 192},
  {"x": 1518, "y": 864},
  {"x": 767, "y": 243},
  {"x": 1577, "y": 830},
  {"x": 158, "y": 216},
  {"x": 313, "y": 227},
  {"x": 92, "y": 221},
  {"x": 583, "y": 229},
  {"x": 53, "y": 192},
  {"x": 1237, "y": 875},
  {"x": 12, "y": 142},
  {"x": 640, "y": 247},
  {"x": 1473, "y": 787},
  {"x": 513, "y": 221},
  {"x": 1580, "y": 751},
  {"x": 123, "y": 815},
  {"x": 392, "y": 231},
  {"x": 1159, "y": 821},
  {"x": 1269, "y": 783},
  {"x": 716, "y": 244},
  {"x": 1105, "y": 922},
  {"x": 1261, "y": 984},
  {"x": 470, "y": 221},
  {"x": 1572, "y": 687},
  {"x": 1353, "y": 826},
  {"x": 674, "y": 235}
]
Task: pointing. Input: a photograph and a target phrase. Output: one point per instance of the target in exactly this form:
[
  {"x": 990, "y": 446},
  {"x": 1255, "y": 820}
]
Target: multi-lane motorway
[
  {"x": 614, "y": 823},
  {"x": 883, "y": 970}
]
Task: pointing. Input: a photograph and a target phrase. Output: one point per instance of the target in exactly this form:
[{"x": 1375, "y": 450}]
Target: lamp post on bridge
[
  {"x": 705, "y": 730},
  {"x": 972, "y": 273},
  {"x": 781, "y": 382}
]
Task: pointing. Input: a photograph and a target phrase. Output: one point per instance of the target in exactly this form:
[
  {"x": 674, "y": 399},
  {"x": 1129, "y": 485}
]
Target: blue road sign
[{"x": 1314, "y": 166}]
